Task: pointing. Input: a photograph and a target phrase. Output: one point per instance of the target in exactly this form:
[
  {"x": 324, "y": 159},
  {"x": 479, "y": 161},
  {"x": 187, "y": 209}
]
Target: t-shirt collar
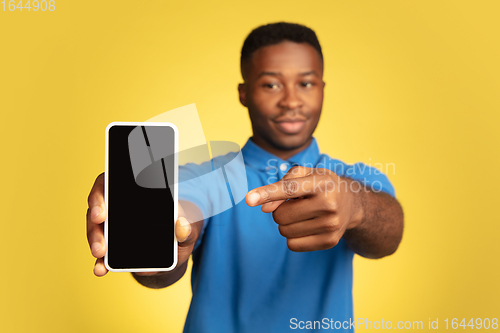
[{"x": 259, "y": 158}]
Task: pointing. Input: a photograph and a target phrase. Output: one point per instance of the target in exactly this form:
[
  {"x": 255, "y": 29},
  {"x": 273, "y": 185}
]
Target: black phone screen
[{"x": 140, "y": 221}]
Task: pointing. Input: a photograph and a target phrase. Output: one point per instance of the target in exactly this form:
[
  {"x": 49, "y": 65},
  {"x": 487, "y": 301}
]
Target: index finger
[
  {"x": 294, "y": 172},
  {"x": 96, "y": 200},
  {"x": 283, "y": 189}
]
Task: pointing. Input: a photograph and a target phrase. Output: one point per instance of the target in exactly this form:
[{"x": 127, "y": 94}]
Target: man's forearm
[{"x": 381, "y": 229}]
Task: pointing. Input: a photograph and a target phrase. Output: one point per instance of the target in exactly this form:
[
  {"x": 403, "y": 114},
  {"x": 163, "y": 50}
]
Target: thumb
[{"x": 182, "y": 229}]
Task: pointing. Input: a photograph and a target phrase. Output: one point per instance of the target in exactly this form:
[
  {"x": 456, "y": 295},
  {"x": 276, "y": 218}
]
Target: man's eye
[
  {"x": 270, "y": 85},
  {"x": 306, "y": 84}
]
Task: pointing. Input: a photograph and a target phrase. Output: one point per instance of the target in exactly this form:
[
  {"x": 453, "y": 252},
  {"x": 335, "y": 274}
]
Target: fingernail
[
  {"x": 96, "y": 246},
  {"x": 184, "y": 223},
  {"x": 254, "y": 198},
  {"x": 95, "y": 211}
]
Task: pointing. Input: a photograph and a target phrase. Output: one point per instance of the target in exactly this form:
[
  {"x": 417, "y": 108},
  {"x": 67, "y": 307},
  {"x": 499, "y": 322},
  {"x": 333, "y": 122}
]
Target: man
[{"x": 254, "y": 271}]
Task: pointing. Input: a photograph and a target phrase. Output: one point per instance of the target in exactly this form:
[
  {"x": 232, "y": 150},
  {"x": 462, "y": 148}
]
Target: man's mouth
[{"x": 290, "y": 126}]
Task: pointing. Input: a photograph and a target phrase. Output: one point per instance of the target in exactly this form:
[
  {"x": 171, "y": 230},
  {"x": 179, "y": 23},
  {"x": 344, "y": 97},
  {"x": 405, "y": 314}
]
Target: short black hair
[{"x": 275, "y": 33}]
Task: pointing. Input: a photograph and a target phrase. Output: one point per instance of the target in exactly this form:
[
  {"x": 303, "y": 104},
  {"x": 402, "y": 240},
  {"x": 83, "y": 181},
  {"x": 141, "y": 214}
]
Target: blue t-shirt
[{"x": 244, "y": 277}]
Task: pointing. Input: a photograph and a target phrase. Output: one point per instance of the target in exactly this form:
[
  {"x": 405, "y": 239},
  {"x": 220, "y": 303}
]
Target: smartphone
[{"x": 141, "y": 196}]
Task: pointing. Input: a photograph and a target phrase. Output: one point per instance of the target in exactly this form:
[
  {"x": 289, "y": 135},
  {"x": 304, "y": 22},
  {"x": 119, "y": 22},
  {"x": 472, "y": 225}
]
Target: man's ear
[{"x": 242, "y": 93}]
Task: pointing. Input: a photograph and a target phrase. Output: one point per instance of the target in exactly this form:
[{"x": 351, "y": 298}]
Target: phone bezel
[{"x": 106, "y": 193}]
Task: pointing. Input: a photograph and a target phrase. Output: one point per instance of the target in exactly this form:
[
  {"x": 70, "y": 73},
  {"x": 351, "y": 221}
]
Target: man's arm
[
  {"x": 381, "y": 227},
  {"x": 314, "y": 208}
]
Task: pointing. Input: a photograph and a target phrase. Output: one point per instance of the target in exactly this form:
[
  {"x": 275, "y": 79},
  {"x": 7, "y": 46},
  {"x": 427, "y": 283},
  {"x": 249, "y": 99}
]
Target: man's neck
[{"x": 281, "y": 153}]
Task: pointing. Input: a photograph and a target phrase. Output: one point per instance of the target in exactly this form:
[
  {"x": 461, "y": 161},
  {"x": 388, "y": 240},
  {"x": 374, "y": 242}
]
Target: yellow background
[{"x": 414, "y": 83}]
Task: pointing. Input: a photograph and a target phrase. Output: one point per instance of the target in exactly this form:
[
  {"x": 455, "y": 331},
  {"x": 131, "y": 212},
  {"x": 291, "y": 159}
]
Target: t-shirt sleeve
[{"x": 369, "y": 176}]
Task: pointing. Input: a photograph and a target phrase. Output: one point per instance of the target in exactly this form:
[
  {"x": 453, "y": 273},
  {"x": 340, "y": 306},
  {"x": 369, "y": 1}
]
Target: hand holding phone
[
  {"x": 185, "y": 231},
  {"x": 141, "y": 172}
]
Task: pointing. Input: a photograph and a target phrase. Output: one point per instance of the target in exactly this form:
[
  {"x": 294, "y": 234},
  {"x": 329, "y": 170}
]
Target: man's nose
[{"x": 291, "y": 99}]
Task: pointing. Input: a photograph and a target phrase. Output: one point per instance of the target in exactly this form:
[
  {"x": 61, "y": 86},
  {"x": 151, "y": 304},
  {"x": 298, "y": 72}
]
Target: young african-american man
[{"x": 275, "y": 268}]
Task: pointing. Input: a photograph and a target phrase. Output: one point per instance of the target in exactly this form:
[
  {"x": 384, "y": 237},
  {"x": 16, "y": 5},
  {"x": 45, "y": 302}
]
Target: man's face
[{"x": 283, "y": 92}]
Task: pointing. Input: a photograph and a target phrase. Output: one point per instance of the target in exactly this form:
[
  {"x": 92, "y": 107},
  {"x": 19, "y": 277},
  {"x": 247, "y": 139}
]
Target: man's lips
[{"x": 290, "y": 126}]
